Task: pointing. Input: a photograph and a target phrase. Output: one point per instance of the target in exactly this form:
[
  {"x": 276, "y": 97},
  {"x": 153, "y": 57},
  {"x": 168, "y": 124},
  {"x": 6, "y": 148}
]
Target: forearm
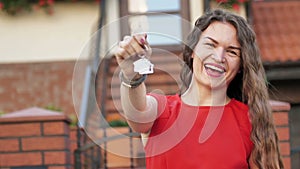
[
  {"x": 140, "y": 110},
  {"x": 133, "y": 98}
]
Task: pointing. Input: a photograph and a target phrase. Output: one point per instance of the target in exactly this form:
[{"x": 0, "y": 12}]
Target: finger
[
  {"x": 127, "y": 47},
  {"x": 127, "y": 38},
  {"x": 141, "y": 39},
  {"x": 139, "y": 44},
  {"x": 121, "y": 54},
  {"x": 132, "y": 46}
]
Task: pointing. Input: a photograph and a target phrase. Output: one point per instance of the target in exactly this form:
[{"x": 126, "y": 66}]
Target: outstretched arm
[{"x": 140, "y": 110}]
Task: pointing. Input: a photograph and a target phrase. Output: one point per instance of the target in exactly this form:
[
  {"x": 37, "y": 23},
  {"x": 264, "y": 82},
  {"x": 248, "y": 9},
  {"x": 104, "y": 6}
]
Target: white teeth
[{"x": 215, "y": 68}]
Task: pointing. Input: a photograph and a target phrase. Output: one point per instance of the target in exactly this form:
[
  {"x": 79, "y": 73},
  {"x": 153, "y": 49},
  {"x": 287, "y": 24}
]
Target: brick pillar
[
  {"x": 281, "y": 120},
  {"x": 34, "y": 138}
]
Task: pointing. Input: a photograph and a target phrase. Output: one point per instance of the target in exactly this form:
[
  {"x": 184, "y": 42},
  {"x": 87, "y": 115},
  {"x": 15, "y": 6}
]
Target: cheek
[
  {"x": 235, "y": 65},
  {"x": 202, "y": 52},
  {"x": 197, "y": 64}
]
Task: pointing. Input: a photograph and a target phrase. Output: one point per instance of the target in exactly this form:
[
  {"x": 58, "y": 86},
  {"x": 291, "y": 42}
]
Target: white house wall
[{"x": 36, "y": 36}]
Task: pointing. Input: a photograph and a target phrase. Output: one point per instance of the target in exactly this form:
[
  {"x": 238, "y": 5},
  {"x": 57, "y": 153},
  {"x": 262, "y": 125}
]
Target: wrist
[
  {"x": 130, "y": 76},
  {"x": 133, "y": 82}
]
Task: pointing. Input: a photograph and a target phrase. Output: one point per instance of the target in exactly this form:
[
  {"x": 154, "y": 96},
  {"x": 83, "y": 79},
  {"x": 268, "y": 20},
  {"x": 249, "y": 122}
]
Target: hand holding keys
[{"x": 143, "y": 65}]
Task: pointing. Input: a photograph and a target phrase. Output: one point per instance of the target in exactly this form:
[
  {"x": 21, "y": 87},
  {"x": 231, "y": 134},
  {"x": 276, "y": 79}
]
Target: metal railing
[{"x": 92, "y": 154}]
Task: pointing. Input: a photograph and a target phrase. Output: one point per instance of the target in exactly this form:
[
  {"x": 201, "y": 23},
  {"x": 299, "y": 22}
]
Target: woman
[{"x": 222, "y": 118}]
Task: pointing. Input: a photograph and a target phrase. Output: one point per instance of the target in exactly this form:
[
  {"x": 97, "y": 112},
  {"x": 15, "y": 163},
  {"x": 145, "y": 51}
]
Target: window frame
[{"x": 183, "y": 12}]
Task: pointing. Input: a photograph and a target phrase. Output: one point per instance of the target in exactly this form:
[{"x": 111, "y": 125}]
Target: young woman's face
[{"x": 217, "y": 56}]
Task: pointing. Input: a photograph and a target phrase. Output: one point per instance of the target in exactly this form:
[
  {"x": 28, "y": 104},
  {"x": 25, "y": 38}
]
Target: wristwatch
[{"x": 133, "y": 83}]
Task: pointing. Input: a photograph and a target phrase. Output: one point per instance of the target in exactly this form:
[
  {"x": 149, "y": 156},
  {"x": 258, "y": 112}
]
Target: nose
[{"x": 219, "y": 55}]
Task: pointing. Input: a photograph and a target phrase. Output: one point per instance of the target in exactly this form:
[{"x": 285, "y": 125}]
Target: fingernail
[{"x": 142, "y": 41}]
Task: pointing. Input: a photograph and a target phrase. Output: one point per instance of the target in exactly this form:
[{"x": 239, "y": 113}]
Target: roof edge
[{"x": 279, "y": 64}]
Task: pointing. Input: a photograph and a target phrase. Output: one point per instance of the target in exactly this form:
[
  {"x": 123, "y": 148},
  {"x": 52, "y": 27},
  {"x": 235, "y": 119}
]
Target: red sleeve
[
  {"x": 167, "y": 106},
  {"x": 162, "y": 108}
]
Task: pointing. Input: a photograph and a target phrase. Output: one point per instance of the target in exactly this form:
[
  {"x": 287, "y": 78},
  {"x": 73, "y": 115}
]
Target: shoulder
[
  {"x": 237, "y": 105},
  {"x": 241, "y": 113},
  {"x": 164, "y": 98},
  {"x": 167, "y": 104},
  {"x": 167, "y": 110}
]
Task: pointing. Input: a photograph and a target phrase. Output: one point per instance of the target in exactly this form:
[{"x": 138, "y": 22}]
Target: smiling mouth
[{"x": 214, "y": 70}]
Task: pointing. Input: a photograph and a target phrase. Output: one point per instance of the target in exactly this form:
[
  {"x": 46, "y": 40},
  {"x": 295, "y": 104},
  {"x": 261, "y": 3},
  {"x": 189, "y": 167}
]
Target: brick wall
[
  {"x": 35, "y": 137},
  {"x": 281, "y": 120},
  {"x": 26, "y": 85}
]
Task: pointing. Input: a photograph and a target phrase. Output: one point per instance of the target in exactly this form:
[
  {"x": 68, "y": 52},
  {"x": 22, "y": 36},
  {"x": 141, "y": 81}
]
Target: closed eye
[
  {"x": 233, "y": 53},
  {"x": 210, "y": 44}
]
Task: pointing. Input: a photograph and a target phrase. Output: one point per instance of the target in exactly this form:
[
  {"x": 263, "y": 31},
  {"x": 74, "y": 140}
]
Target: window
[{"x": 165, "y": 21}]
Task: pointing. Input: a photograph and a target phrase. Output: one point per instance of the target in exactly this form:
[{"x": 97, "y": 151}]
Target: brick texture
[
  {"x": 9, "y": 145},
  {"x": 281, "y": 121},
  {"x": 55, "y": 128},
  {"x": 73, "y": 143},
  {"x": 17, "y": 130},
  {"x": 26, "y": 85},
  {"x": 283, "y": 133},
  {"x": 284, "y": 148},
  {"x": 42, "y": 139},
  {"x": 56, "y": 157},
  {"x": 287, "y": 162},
  {"x": 44, "y": 143},
  {"x": 20, "y": 159},
  {"x": 281, "y": 118}
]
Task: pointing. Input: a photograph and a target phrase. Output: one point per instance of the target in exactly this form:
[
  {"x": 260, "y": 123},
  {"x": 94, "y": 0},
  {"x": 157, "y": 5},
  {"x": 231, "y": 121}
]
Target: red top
[{"x": 175, "y": 141}]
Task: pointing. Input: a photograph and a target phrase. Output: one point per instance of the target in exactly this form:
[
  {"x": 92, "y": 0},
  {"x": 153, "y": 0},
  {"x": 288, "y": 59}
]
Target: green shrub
[{"x": 118, "y": 123}]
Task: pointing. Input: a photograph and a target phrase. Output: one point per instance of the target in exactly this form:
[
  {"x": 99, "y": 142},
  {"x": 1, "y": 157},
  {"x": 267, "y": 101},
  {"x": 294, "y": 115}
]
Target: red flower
[
  {"x": 42, "y": 2},
  {"x": 242, "y": 1},
  {"x": 236, "y": 7},
  {"x": 50, "y": 2},
  {"x": 222, "y": 1},
  {"x": 1, "y": 5}
]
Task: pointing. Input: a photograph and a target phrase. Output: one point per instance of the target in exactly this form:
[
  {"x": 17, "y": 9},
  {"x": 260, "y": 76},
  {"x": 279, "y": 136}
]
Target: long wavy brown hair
[{"x": 249, "y": 86}]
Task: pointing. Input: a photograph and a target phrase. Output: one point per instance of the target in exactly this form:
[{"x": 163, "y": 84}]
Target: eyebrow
[{"x": 215, "y": 41}]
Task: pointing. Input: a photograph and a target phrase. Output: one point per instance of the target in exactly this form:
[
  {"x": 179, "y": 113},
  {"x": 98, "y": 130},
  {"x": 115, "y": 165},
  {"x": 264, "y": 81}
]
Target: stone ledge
[
  {"x": 33, "y": 114},
  {"x": 278, "y": 106}
]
